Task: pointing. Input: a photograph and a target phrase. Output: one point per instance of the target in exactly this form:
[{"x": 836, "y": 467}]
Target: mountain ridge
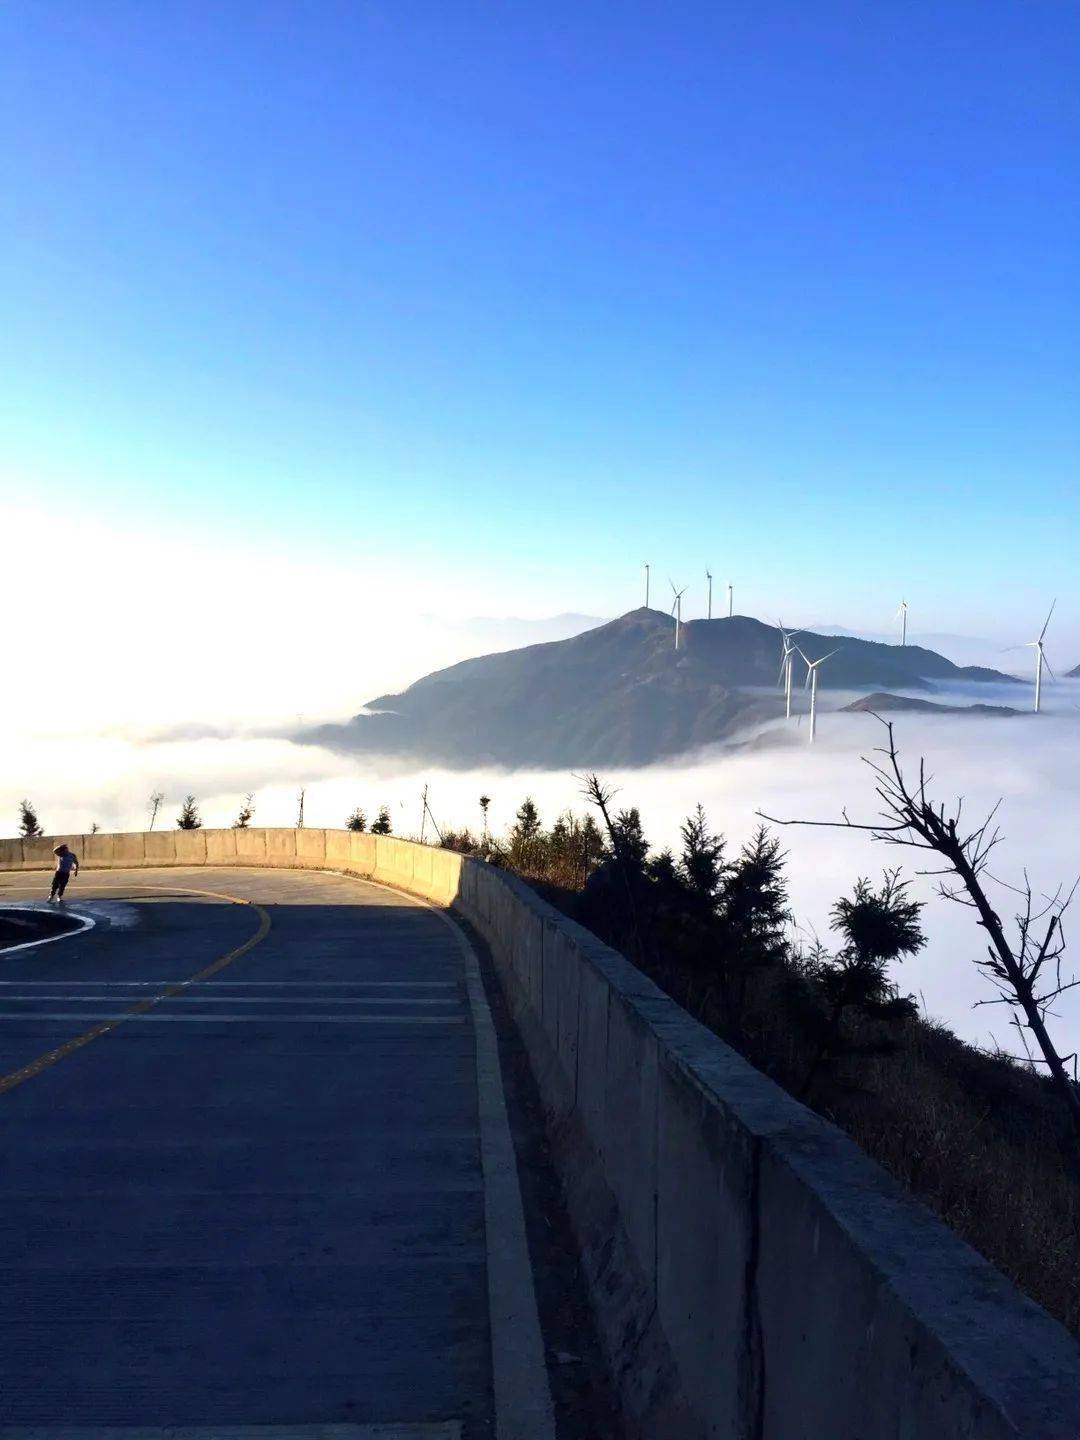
[{"x": 620, "y": 694}]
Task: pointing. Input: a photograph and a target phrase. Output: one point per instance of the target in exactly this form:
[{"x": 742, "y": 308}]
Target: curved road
[{"x": 240, "y": 1170}]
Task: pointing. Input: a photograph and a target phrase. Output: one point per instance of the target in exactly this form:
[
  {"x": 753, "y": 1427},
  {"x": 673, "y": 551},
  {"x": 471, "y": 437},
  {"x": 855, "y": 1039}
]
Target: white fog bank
[
  {"x": 1028, "y": 762},
  {"x": 132, "y": 694}
]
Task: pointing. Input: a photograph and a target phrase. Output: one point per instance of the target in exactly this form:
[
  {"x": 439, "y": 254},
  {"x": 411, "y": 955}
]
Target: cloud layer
[
  {"x": 1029, "y": 764},
  {"x": 134, "y": 668}
]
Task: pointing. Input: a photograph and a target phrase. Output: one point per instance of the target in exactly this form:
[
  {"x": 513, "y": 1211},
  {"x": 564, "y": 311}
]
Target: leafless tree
[
  {"x": 1026, "y": 971},
  {"x": 155, "y": 805},
  {"x": 426, "y": 815},
  {"x": 300, "y": 810}
]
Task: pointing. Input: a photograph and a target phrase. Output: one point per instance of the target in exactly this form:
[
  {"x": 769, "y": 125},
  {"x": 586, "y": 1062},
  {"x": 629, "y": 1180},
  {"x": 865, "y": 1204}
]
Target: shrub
[
  {"x": 189, "y": 818},
  {"x": 29, "y": 828}
]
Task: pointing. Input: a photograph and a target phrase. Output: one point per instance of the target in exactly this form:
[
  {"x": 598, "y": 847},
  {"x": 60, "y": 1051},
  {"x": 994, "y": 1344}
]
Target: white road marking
[
  {"x": 85, "y": 923},
  {"x": 523, "y": 1406}
]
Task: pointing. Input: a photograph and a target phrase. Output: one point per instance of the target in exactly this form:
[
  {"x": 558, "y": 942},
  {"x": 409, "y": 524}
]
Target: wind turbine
[
  {"x": 811, "y": 680},
  {"x": 786, "y": 662},
  {"x": 646, "y": 584},
  {"x": 901, "y": 615},
  {"x": 730, "y": 601},
  {"x": 676, "y": 608},
  {"x": 1040, "y": 659},
  {"x": 708, "y": 577}
]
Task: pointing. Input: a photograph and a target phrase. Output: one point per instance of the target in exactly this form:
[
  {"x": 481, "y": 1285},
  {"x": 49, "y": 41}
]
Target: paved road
[{"x": 259, "y": 1199}]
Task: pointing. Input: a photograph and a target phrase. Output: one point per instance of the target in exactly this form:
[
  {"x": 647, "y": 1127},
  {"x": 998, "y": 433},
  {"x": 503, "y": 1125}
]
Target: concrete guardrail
[{"x": 755, "y": 1275}]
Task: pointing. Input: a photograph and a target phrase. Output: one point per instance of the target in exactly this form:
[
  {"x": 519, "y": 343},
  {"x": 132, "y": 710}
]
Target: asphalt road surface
[{"x": 241, "y": 1176}]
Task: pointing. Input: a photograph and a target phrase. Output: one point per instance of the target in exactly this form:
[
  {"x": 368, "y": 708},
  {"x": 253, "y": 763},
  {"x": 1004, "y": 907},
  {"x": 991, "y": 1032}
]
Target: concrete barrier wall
[{"x": 755, "y": 1275}]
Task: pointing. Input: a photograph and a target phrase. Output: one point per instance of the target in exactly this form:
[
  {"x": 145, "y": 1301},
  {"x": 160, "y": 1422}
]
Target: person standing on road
[{"x": 66, "y": 862}]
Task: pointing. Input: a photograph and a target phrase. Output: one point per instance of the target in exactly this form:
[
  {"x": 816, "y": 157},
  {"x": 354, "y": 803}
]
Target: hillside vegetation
[{"x": 978, "y": 1137}]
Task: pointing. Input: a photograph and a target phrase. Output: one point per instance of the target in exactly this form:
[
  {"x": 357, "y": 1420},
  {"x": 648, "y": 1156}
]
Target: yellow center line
[{"x": 69, "y": 1047}]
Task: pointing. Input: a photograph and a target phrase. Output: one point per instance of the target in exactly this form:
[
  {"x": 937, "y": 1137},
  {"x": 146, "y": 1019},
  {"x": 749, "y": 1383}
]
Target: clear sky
[{"x": 549, "y": 288}]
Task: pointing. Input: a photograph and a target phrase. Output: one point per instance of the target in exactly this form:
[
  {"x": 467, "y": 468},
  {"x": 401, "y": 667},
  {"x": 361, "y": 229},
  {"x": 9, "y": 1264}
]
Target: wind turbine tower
[
  {"x": 708, "y": 578},
  {"x": 811, "y": 680},
  {"x": 676, "y": 609},
  {"x": 730, "y": 602},
  {"x": 786, "y": 662},
  {"x": 1040, "y": 659},
  {"x": 901, "y": 615},
  {"x": 646, "y": 585}
]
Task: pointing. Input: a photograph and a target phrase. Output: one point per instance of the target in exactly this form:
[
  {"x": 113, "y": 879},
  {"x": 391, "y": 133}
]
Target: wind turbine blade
[
  {"x": 1042, "y": 632},
  {"x": 829, "y": 655},
  {"x": 1046, "y": 662}
]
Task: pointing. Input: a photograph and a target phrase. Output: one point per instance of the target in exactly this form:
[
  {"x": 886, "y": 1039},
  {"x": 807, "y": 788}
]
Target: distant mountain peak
[
  {"x": 882, "y": 703},
  {"x": 621, "y": 694}
]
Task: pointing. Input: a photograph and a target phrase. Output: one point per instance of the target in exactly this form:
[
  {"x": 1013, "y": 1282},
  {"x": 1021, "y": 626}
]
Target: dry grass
[
  {"x": 981, "y": 1141},
  {"x": 984, "y": 1145}
]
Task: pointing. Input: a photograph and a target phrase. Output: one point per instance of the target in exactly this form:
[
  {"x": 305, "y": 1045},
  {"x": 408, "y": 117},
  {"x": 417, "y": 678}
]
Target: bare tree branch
[{"x": 909, "y": 817}]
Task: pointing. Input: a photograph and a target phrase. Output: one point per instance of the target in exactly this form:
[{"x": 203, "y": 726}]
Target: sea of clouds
[
  {"x": 1028, "y": 763},
  {"x": 114, "y": 693}
]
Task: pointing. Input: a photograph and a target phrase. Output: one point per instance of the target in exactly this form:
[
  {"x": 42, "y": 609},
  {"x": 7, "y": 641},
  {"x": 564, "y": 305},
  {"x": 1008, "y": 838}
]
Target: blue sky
[{"x": 542, "y": 290}]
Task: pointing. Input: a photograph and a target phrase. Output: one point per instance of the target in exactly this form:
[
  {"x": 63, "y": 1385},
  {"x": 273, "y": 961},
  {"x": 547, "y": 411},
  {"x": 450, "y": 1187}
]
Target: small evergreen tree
[
  {"x": 524, "y": 835},
  {"x": 666, "y": 893},
  {"x": 94, "y": 827},
  {"x": 29, "y": 828},
  {"x": 754, "y": 917},
  {"x": 357, "y": 821},
  {"x": 189, "y": 818},
  {"x": 382, "y": 825},
  {"x": 628, "y": 838},
  {"x": 702, "y": 862},
  {"x": 877, "y": 927},
  {"x": 247, "y": 810},
  {"x": 526, "y": 825},
  {"x": 661, "y": 870},
  {"x": 593, "y": 847}
]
